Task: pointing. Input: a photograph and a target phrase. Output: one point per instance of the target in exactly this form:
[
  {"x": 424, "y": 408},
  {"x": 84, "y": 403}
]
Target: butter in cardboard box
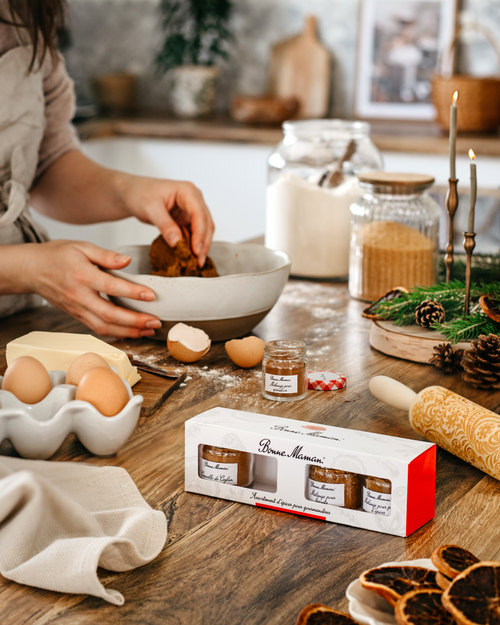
[{"x": 366, "y": 480}]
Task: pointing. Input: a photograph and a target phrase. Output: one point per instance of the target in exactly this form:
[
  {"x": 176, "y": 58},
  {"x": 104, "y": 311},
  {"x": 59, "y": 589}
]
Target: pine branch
[
  {"x": 467, "y": 328},
  {"x": 451, "y": 296},
  {"x": 485, "y": 268}
]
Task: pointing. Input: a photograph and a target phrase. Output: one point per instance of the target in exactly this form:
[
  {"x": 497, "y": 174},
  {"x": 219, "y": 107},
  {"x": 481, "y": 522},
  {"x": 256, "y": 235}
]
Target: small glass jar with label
[
  {"x": 226, "y": 466},
  {"x": 284, "y": 370},
  {"x": 334, "y": 487},
  {"x": 377, "y": 494}
]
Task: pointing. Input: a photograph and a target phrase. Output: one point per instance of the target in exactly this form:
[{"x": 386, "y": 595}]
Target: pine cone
[
  {"x": 446, "y": 358},
  {"x": 429, "y": 312},
  {"x": 482, "y": 362}
]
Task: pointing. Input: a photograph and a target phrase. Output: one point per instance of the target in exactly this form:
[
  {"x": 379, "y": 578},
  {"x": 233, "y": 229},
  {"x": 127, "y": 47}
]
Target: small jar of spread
[
  {"x": 226, "y": 466},
  {"x": 284, "y": 370},
  {"x": 334, "y": 487},
  {"x": 377, "y": 495}
]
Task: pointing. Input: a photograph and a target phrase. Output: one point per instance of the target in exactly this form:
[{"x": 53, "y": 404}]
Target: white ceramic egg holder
[{"x": 38, "y": 430}]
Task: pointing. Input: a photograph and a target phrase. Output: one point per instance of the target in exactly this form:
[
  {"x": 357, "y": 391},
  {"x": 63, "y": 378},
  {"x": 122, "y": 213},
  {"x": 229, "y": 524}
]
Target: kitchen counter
[
  {"x": 388, "y": 136},
  {"x": 230, "y": 563}
]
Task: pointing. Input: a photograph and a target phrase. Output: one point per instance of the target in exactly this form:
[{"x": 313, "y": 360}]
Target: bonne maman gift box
[{"x": 371, "y": 481}]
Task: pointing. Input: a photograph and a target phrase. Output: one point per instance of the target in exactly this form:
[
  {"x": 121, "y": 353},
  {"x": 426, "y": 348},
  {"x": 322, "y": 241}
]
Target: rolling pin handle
[{"x": 392, "y": 392}]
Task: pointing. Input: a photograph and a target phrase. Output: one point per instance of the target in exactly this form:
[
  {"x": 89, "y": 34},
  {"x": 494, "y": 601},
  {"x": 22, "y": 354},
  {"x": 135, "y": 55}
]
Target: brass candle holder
[
  {"x": 451, "y": 207},
  {"x": 469, "y": 245}
]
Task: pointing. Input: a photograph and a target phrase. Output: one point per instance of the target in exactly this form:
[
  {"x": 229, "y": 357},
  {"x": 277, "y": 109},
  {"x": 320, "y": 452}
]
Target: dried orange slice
[
  {"x": 395, "y": 293},
  {"x": 443, "y": 581},
  {"x": 490, "y": 307},
  {"x": 318, "y": 614},
  {"x": 451, "y": 560},
  {"x": 474, "y": 596},
  {"x": 392, "y": 582},
  {"x": 422, "y": 607}
]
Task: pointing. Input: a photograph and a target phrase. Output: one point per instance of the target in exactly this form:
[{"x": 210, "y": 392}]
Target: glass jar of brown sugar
[
  {"x": 284, "y": 370},
  {"x": 226, "y": 466},
  {"x": 377, "y": 495},
  {"x": 394, "y": 235},
  {"x": 334, "y": 487}
]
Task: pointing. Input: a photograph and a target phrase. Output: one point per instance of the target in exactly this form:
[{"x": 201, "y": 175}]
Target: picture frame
[{"x": 402, "y": 43}]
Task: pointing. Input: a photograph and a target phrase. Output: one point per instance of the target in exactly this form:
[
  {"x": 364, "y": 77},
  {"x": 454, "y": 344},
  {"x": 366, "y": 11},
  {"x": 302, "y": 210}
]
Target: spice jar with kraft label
[
  {"x": 394, "y": 235},
  {"x": 284, "y": 370},
  {"x": 334, "y": 487},
  {"x": 226, "y": 466},
  {"x": 377, "y": 493}
]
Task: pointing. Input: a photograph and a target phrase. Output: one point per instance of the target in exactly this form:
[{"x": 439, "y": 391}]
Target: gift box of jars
[{"x": 371, "y": 481}]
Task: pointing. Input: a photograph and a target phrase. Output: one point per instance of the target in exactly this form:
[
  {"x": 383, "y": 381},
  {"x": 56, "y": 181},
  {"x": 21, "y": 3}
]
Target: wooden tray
[{"x": 408, "y": 342}]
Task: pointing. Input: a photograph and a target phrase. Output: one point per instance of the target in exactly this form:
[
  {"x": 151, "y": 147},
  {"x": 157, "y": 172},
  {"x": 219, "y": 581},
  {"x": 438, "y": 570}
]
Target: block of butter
[{"x": 57, "y": 350}]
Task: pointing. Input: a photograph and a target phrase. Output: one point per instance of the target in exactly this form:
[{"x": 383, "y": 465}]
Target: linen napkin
[{"x": 59, "y": 521}]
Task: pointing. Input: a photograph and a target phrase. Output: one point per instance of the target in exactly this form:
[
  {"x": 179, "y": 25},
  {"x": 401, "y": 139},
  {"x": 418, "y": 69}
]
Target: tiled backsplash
[{"x": 117, "y": 35}]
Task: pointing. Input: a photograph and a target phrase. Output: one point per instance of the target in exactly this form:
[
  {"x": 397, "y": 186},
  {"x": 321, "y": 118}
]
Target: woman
[{"x": 42, "y": 166}]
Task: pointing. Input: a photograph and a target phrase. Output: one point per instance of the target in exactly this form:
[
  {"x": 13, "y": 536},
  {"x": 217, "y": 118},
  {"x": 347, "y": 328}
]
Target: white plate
[{"x": 367, "y": 607}]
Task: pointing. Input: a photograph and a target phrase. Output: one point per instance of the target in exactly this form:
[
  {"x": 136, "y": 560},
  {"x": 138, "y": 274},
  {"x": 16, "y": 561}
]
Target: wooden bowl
[{"x": 266, "y": 110}]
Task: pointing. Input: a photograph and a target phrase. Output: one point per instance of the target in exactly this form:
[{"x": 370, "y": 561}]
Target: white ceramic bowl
[
  {"x": 37, "y": 431},
  {"x": 251, "y": 280}
]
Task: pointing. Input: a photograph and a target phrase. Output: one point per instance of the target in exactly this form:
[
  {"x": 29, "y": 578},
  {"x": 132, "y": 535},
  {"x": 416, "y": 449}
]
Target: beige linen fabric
[{"x": 59, "y": 521}]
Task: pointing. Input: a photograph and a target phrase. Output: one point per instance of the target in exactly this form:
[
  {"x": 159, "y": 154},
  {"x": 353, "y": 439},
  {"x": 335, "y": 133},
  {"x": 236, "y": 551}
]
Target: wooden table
[{"x": 227, "y": 563}]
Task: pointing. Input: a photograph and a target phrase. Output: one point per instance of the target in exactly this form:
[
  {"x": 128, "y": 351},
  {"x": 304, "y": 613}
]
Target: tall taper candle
[
  {"x": 453, "y": 134},
  {"x": 473, "y": 192}
]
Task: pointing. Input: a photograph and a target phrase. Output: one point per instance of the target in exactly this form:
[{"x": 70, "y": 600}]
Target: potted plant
[{"x": 196, "y": 36}]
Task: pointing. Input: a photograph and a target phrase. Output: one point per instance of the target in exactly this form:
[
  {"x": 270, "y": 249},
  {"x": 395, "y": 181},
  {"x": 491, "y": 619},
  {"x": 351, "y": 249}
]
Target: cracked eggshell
[
  {"x": 246, "y": 352},
  {"x": 187, "y": 344}
]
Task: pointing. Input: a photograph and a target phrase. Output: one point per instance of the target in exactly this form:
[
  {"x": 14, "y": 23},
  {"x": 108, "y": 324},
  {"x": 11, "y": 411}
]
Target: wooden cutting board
[
  {"x": 155, "y": 390},
  {"x": 408, "y": 342},
  {"x": 300, "y": 68}
]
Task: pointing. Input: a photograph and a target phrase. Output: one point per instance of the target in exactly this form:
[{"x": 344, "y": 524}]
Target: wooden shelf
[{"x": 388, "y": 136}]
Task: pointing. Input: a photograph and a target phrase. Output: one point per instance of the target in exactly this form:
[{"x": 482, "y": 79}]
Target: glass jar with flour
[{"x": 312, "y": 181}]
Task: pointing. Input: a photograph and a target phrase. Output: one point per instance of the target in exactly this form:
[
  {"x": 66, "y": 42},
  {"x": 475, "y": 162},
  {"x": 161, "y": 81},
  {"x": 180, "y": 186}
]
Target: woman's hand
[
  {"x": 68, "y": 275},
  {"x": 77, "y": 190},
  {"x": 167, "y": 203}
]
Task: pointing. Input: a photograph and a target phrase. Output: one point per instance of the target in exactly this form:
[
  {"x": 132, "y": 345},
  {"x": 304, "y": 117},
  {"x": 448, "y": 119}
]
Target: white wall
[{"x": 232, "y": 178}]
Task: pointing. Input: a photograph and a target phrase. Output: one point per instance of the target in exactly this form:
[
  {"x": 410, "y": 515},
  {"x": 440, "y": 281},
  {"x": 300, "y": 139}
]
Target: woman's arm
[
  {"x": 77, "y": 190},
  {"x": 68, "y": 275}
]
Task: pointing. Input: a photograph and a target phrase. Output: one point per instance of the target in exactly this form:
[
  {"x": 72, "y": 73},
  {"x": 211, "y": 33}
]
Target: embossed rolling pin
[{"x": 456, "y": 424}]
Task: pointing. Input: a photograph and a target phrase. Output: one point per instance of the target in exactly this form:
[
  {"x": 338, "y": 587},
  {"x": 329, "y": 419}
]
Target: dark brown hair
[{"x": 42, "y": 19}]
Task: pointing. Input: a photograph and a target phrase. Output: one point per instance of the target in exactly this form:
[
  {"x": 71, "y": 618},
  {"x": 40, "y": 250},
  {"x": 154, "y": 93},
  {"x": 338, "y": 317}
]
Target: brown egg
[
  {"x": 246, "y": 352},
  {"x": 82, "y": 364},
  {"x": 27, "y": 379},
  {"x": 104, "y": 389},
  {"x": 186, "y": 343}
]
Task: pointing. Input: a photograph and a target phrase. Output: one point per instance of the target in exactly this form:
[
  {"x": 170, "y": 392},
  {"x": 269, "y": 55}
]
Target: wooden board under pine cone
[{"x": 408, "y": 342}]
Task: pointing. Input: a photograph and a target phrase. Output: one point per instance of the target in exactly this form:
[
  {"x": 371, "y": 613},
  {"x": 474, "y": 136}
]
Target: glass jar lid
[{"x": 395, "y": 183}]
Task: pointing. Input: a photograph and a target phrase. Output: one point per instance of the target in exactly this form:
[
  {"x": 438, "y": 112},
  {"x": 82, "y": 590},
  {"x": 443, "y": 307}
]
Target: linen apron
[{"x": 22, "y": 125}]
